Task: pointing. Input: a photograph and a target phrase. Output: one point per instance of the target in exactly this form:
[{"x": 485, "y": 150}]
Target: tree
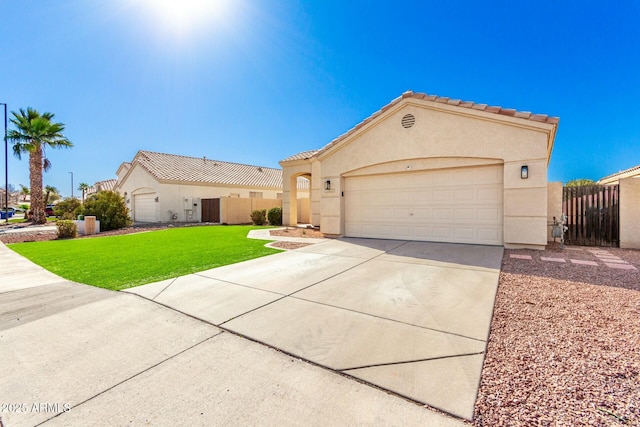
[
  {"x": 25, "y": 192},
  {"x": 33, "y": 134},
  {"x": 83, "y": 187},
  {"x": 49, "y": 191},
  {"x": 68, "y": 208},
  {"x": 580, "y": 182},
  {"x": 109, "y": 208}
]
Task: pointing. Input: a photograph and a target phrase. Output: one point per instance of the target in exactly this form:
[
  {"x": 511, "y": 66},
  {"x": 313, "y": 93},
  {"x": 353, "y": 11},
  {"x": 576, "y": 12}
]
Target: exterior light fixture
[
  {"x": 524, "y": 172},
  {"x": 327, "y": 185},
  {"x": 156, "y": 199}
]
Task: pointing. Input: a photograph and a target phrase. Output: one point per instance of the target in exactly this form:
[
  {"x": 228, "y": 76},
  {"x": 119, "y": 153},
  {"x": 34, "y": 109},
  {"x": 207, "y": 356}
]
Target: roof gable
[{"x": 439, "y": 102}]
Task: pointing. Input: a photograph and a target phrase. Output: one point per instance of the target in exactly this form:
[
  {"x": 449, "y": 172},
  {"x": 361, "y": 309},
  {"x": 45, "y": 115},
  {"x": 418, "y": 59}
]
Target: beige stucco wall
[
  {"x": 629, "y": 209},
  {"x": 554, "y": 205},
  {"x": 180, "y": 198},
  {"x": 238, "y": 210},
  {"x": 456, "y": 139}
]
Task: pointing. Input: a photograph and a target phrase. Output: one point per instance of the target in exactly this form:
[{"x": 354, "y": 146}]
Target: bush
[
  {"x": 69, "y": 208},
  {"x": 275, "y": 216},
  {"x": 109, "y": 208},
  {"x": 66, "y": 229},
  {"x": 259, "y": 217}
]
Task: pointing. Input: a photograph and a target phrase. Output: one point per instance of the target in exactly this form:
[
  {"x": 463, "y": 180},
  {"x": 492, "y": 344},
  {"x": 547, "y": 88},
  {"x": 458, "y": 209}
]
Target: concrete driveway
[{"x": 412, "y": 318}]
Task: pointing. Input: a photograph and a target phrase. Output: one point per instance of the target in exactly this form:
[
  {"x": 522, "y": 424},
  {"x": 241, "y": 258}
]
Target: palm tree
[
  {"x": 24, "y": 190},
  {"x": 49, "y": 191},
  {"x": 83, "y": 187},
  {"x": 33, "y": 134}
]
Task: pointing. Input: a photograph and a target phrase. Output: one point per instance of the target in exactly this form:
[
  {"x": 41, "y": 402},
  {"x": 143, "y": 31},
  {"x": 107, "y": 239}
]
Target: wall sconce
[
  {"x": 524, "y": 172},
  {"x": 327, "y": 185},
  {"x": 128, "y": 201},
  {"x": 156, "y": 199}
]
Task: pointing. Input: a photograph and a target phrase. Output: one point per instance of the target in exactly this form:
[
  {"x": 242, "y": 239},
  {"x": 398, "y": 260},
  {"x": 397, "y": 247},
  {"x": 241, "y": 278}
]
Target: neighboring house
[
  {"x": 106, "y": 185},
  {"x": 433, "y": 169},
  {"x": 160, "y": 187},
  {"x": 615, "y": 178}
]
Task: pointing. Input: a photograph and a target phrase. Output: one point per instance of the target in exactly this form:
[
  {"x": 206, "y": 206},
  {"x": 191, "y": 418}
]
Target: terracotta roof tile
[{"x": 522, "y": 114}]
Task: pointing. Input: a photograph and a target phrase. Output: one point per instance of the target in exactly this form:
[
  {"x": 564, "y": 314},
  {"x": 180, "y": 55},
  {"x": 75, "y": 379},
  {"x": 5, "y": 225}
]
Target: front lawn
[{"x": 119, "y": 262}]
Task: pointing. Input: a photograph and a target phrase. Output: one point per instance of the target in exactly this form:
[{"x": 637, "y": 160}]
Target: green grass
[{"x": 119, "y": 262}]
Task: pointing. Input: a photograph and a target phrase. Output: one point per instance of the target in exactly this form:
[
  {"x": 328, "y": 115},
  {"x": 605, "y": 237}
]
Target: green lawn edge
[{"x": 125, "y": 261}]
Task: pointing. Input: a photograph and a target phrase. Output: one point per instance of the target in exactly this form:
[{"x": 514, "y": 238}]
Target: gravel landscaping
[{"x": 564, "y": 348}]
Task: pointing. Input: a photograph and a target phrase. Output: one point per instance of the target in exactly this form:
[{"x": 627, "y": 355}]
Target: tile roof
[
  {"x": 301, "y": 156},
  {"x": 171, "y": 167},
  {"x": 634, "y": 171},
  {"x": 542, "y": 118},
  {"x": 106, "y": 185}
]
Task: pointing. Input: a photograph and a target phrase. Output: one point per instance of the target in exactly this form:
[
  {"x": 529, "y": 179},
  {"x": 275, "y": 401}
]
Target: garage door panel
[
  {"x": 144, "y": 208},
  {"x": 458, "y": 205},
  {"x": 464, "y": 233},
  {"x": 464, "y": 215},
  {"x": 489, "y": 215},
  {"x": 466, "y": 195}
]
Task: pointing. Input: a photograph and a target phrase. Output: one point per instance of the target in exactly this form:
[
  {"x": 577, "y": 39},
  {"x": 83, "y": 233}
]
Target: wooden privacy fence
[{"x": 592, "y": 215}]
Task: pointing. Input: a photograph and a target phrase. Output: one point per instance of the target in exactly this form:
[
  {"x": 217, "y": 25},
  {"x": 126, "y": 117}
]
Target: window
[
  {"x": 255, "y": 194},
  {"x": 278, "y": 195}
]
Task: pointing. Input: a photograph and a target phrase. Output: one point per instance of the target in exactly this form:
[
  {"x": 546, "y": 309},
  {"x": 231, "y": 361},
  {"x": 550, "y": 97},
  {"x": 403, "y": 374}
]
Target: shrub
[
  {"x": 259, "y": 217},
  {"x": 66, "y": 229},
  {"x": 68, "y": 208},
  {"x": 109, "y": 208},
  {"x": 275, "y": 216}
]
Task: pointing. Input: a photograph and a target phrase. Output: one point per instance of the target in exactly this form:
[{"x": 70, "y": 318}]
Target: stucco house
[
  {"x": 431, "y": 168},
  {"x": 159, "y": 187}
]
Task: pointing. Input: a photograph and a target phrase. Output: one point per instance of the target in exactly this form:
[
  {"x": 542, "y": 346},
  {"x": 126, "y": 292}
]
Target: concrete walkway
[{"x": 77, "y": 355}]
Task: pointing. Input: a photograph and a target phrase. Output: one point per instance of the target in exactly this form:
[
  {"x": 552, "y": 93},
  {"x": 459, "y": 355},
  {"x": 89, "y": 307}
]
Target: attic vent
[
  {"x": 259, "y": 169},
  {"x": 408, "y": 120}
]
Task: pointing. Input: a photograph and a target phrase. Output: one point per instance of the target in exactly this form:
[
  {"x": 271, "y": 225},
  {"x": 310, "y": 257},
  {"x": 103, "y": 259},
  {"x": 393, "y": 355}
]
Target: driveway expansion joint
[
  {"x": 386, "y": 318},
  {"x": 404, "y": 362}
]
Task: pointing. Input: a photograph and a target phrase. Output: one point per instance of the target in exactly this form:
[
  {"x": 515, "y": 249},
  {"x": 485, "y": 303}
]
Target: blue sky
[{"x": 256, "y": 81}]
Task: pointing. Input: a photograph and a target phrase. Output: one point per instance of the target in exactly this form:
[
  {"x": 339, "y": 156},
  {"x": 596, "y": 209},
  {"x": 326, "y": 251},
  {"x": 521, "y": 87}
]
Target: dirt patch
[
  {"x": 564, "y": 348},
  {"x": 290, "y": 245},
  {"x": 298, "y": 232}
]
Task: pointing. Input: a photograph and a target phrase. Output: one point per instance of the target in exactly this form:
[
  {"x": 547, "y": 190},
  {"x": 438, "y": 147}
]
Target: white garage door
[
  {"x": 462, "y": 205},
  {"x": 144, "y": 207}
]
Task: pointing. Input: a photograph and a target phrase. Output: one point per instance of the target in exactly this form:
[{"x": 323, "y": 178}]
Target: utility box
[{"x": 89, "y": 225}]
